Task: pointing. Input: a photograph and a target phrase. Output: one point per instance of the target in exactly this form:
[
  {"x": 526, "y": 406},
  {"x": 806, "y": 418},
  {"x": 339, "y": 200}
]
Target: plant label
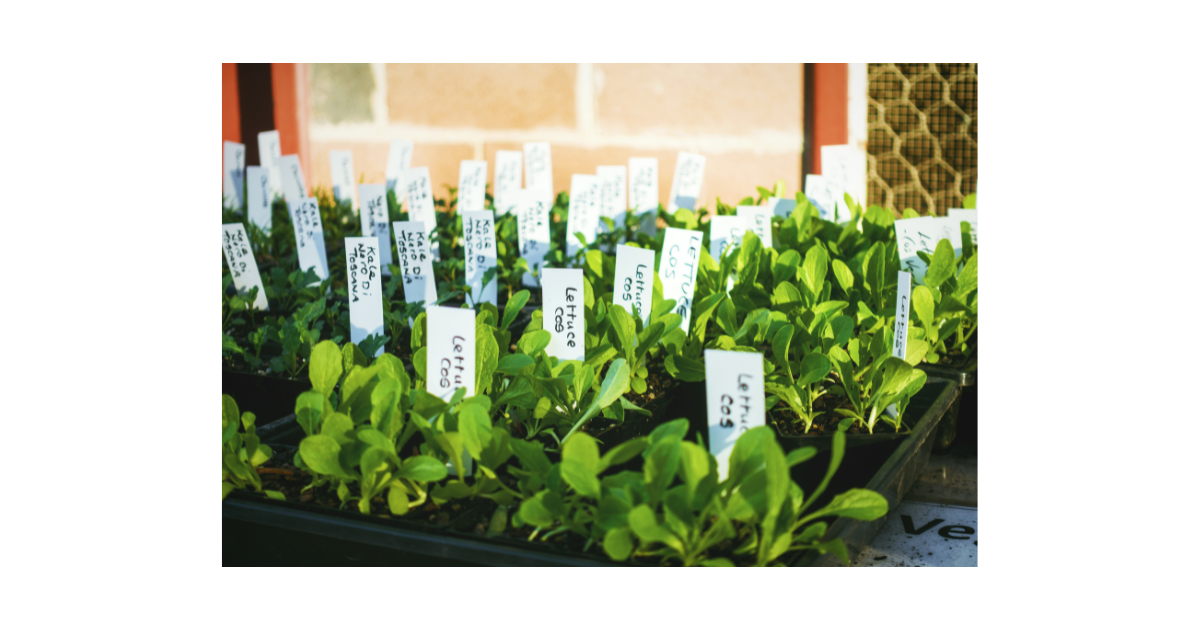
[
  {"x": 365, "y": 287},
  {"x": 612, "y": 195},
  {"x": 419, "y": 191},
  {"x": 845, "y": 170},
  {"x": 643, "y": 192},
  {"x": 533, "y": 232},
  {"x": 269, "y": 152},
  {"x": 818, "y": 194},
  {"x": 916, "y": 235},
  {"x": 734, "y": 384},
  {"x": 780, "y": 206},
  {"x": 538, "y": 174},
  {"x": 450, "y": 353},
  {"x": 950, "y": 230},
  {"x": 374, "y": 216},
  {"x": 479, "y": 241},
  {"x": 724, "y": 233},
  {"x": 235, "y": 169},
  {"x": 507, "y": 182},
  {"x": 294, "y": 190},
  {"x": 758, "y": 220},
  {"x": 416, "y": 265},
  {"x": 903, "y": 299},
  {"x": 958, "y": 215},
  {"x": 472, "y": 181},
  {"x": 633, "y": 282},
  {"x": 677, "y": 269},
  {"x": 562, "y": 312},
  {"x": 341, "y": 170},
  {"x": 310, "y": 237},
  {"x": 584, "y": 212},
  {"x": 685, "y": 188},
  {"x": 242, "y": 265},
  {"x": 399, "y": 160},
  {"x": 258, "y": 197}
]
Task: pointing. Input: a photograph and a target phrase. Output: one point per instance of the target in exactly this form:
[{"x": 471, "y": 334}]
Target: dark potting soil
[{"x": 789, "y": 424}]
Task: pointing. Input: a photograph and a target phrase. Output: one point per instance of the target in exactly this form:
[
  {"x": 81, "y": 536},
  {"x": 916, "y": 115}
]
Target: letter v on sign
[{"x": 908, "y": 525}]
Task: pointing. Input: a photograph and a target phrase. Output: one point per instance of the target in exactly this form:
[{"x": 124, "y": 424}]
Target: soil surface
[{"x": 789, "y": 424}]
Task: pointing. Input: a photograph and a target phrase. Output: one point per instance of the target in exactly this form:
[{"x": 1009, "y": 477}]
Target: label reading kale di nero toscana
[{"x": 364, "y": 285}]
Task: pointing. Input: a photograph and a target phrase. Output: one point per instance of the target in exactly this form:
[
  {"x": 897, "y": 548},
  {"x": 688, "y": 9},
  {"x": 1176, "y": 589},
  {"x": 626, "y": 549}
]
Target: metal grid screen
[{"x": 922, "y": 147}]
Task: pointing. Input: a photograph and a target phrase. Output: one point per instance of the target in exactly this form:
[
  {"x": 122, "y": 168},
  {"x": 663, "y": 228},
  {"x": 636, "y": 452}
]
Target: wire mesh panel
[{"x": 922, "y": 142}]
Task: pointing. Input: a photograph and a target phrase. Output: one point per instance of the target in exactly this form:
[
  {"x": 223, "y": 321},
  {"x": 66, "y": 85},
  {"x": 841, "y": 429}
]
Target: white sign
[
  {"x": 235, "y": 169},
  {"x": 758, "y": 220},
  {"x": 416, "y": 265},
  {"x": 677, "y": 269},
  {"x": 584, "y": 211},
  {"x": 269, "y": 152},
  {"x": 734, "y": 384},
  {"x": 472, "y": 182},
  {"x": 533, "y": 232},
  {"x": 341, "y": 170},
  {"x": 365, "y": 287},
  {"x": 258, "y": 196},
  {"x": 562, "y": 312},
  {"x": 903, "y": 297},
  {"x": 242, "y": 265},
  {"x": 958, "y": 215},
  {"x": 538, "y": 173},
  {"x": 724, "y": 233},
  {"x": 399, "y": 159},
  {"x": 685, "y": 188},
  {"x": 818, "y": 193},
  {"x": 507, "y": 182},
  {"x": 374, "y": 216},
  {"x": 912, "y": 236},
  {"x": 949, "y": 229},
  {"x": 419, "y": 190},
  {"x": 633, "y": 283},
  {"x": 479, "y": 241},
  {"x": 643, "y": 189},
  {"x": 450, "y": 351},
  {"x": 845, "y": 171},
  {"x": 782, "y": 207},
  {"x": 612, "y": 194},
  {"x": 294, "y": 190},
  {"x": 310, "y": 237}
]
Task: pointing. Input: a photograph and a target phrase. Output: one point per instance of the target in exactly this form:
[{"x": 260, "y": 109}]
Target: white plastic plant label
[
  {"x": 538, "y": 174},
  {"x": 341, "y": 171},
  {"x": 374, "y": 215},
  {"x": 562, "y": 312},
  {"x": 472, "y": 181},
  {"x": 677, "y": 269},
  {"x": 724, "y": 233},
  {"x": 950, "y": 230},
  {"x": 242, "y": 265},
  {"x": 399, "y": 160},
  {"x": 258, "y": 197},
  {"x": 364, "y": 284},
  {"x": 903, "y": 298},
  {"x": 685, "y": 188},
  {"x": 957, "y": 215},
  {"x": 633, "y": 282},
  {"x": 584, "y": 212},
  {"x": 612, "y": 195},
  {"x": 269, "y": 152},
  {"x": 758, "y": 220},
  {"x": 734, "y": 385},
  {"x": 818, "y": 194},
  {"x": 450, "y": 351},
  {"x": 507, "y": 181},
  {"x": 533, "y": 232},
  {"x": 916, "y": 235},
  {"x": 419, "y": 190},
  {"x": 643, "y": 192},
  {"x": 235, "y": 170},
  {"x": 416, "y": 265},
  {"x": 781, "y": 206},
  {"x": 845, "y": 171},
  {"x": 310, "y": 237},
  {"x": 294, "y": 190},
  {"x": 479, "y": 241}
]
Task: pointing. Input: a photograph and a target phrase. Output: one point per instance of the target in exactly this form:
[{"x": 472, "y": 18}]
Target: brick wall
[{"x": 745, "y": 118}]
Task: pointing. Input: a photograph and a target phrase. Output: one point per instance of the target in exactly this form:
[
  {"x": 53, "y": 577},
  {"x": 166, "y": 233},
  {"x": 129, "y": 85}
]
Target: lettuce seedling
[{"x": 241, "y": 452}]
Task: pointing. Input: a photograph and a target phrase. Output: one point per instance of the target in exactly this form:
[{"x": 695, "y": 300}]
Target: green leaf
[
  {"x": 785, "y": 266},
  {"x": 534, "y": 342},
  {"x": 618, "y": 544},
  {"x": 626, "y": 331},
  {"x": 513, "y": 308},
  {"x": 622, "y": 453},
  {"x": 859, "y": 503},
  {"x": 813, "y": 368},
  {"x": 578, "y": 475},
  {"x": 531, "y": 455},
  {"x": 535, "y": 512},
  {"x": 616, "y": 382},
  {"x": 487, "y": 354},
  {"x": 582, "y": 448},
  {"x": 779, "y": 345},
  {"x": 398, "y": 500},
  {"x": 941, "y": 266},
  {"x": 845, "y": 277},
  {"x": 923, "y": 304},
  {"x": 352, "y": 356},
  {"x": 512, "y": 364},
  {"x": 320, "y": 453},
  {"x": 230, "y": 416},
  {"x": 423, "y": 468},
  {"x": 643, "y": 523},
  {"x": 801, "y": 455}
]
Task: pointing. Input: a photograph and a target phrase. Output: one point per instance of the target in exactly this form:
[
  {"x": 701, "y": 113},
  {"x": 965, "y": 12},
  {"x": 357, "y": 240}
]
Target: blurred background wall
[{"x": 755, "y": 123}]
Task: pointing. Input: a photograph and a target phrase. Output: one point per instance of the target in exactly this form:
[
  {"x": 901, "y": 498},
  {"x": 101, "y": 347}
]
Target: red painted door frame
[
  {"x": 289, "y": 91},
  {"x": 829, "y": 102}
]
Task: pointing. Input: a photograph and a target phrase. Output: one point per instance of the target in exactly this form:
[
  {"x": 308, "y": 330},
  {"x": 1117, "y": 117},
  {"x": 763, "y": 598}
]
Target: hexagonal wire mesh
[{"x": 922, "y": 142}]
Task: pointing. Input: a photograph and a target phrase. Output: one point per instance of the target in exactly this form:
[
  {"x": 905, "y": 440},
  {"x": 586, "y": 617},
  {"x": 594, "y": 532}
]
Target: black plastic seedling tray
[
  {"x": 965, "y": 409},
  {"x": 892, "y": 478}
]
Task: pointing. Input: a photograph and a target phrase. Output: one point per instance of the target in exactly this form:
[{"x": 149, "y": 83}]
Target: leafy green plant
[{"x": 241, "y": 451}]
